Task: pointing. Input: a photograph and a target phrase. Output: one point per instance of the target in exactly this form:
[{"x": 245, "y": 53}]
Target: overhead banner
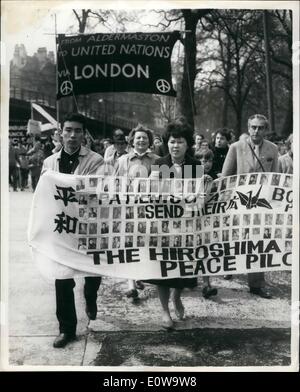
[
  {"x": 139, "y": 62},
  {"x": 151, "y": 229}
]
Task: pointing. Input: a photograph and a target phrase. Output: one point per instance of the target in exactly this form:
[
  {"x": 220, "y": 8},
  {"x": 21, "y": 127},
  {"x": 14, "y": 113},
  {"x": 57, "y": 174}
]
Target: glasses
[{"x": 258, "y": 127}]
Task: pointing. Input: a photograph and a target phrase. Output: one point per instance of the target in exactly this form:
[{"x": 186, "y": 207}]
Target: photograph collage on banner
[{"x": 123, "y": 226}]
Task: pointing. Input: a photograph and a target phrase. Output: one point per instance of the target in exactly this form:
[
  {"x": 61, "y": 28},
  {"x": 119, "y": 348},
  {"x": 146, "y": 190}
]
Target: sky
[{"x": 34, "y": 26}]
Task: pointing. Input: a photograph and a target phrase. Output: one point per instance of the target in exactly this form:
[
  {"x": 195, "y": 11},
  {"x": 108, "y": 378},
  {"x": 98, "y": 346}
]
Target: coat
[
  {"x": 239, "y": 159},
  {"x": 189, "y": 161},
  {"x": 177, "y": 282},
  {"x": 89, "y": 162}
]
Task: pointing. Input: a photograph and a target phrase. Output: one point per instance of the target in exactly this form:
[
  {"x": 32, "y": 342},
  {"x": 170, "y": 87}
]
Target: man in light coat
[
  {"x": 252, "y": 155},
  {"x": 73, "y": 158}
]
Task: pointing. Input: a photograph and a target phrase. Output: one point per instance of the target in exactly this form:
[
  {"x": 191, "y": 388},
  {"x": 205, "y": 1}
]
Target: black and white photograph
[
  {"x": 82, "y": 243},
  {"x": 216, "y": 236},
  {"x": 278, "y": 233},
  {"x": 242, "y": 180},
  {"x": 93, "y": 182},
  {"x": 116, "y": 243},
  {"x": 104, "y": 213},
  {"x": 116, "y": 227},
  {"x": 82, "y": 228},
  {"x": 83, "y": 213},
  {"x": 279, "y": 219},
  {"x": 268, "y": 219},
  {"x": 247, "y": 219},
  {"x": 117, "y": 213},
  {"x": 177, "y": 241},
  {"x": 143, "y": 186},
  {"x": 104, "y": 228},
  {"x": 129, "y": 213},
  {"x": 263, "y": 179},
  {"x": 153, "y": 241},
  {"x": 93, "y": 201},
  {"x": 141, "y": 212},
  {"x": 253, "y": 179},
  {"x": 165, "y": 241},
  {"x": 141, "y": 227},
  {"x": 257, "y": 219},
  {"x": 245, "y": 233},
  {"x": 93, "y": 228},
  {"x": 236, "y": 235},
  {"x": 189, "y": 240},
  {"x": 216, "y": 221},
  {"x": 129, "y": 241},
  {"x": 129, "y": 227},
  {"x": 103, "y": 104},
  {"x": 275, "y": 179},
  {"x": 225, "y": 235},
  {"x": 226, "y": 220},
  {"x": 232, "y": 181},
  {"x": 165, "y": 227},
  {"x": 207, "y": 236},
  {"x": 103, "y": 243},
  {"x": 92, "y": 242},
  {"x": 287, "y": 181},
  {"x": 189, "y": 225},
  {"x": 154, "y": 227},
  {"x": 198, "y": 239},
  {"x": 141, "y": 241},
  {"x": 82, "y": 199},
  {"x": 267, "y": 232},
  {"x": 93, "y": 212},
  {"x": 80, "y": 185}
]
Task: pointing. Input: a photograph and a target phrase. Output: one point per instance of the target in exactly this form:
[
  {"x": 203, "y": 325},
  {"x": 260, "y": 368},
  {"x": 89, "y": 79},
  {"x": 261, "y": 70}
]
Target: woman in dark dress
[{"x": 178, "y": 138}]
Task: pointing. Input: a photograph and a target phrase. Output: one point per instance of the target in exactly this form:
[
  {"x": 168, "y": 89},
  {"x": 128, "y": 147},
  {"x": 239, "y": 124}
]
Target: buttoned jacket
[{"x": 240, "y": 159}]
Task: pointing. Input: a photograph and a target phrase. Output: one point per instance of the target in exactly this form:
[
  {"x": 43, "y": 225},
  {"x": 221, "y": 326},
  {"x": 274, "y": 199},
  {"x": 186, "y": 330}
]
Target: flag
[{"x": 137, "y": 62}]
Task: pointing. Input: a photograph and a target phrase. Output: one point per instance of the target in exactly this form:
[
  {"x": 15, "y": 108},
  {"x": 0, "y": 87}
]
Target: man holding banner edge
[
  {"x": 73, "y": 158},
  {"x": 255, "y": 154}
]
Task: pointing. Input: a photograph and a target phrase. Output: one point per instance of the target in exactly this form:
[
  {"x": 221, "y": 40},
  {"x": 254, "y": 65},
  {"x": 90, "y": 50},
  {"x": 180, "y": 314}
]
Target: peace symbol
[
  {"x": 66, "y": 87},
  {"x": 163, "y": 86}
]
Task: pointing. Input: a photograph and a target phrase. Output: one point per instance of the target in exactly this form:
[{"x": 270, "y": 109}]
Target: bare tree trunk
[
  {"x": 187, "y": 103},
  {"x": 238, "y": 130},
  {"x": 225, "y": 110},
  {"x": 287, "y": 126},
  {"x": 82, "y": 21}
]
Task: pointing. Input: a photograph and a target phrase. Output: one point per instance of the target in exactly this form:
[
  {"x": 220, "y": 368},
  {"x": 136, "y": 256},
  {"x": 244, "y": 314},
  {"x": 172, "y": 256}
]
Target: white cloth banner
[{"x": 160, "y": 229}]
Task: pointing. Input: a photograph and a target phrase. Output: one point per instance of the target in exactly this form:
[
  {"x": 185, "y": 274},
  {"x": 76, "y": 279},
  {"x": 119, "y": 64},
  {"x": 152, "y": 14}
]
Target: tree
[
  {"x": 190, "y": 19},
  {"x": 240, "y": 63}
]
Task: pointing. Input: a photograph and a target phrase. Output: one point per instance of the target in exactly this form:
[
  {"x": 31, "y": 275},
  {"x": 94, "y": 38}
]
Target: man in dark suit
[{"x": 252, "y": 155}]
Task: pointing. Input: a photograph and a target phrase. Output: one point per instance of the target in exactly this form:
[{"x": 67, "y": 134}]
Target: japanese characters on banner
[
  {"x": 118, "y": 62},
  {"x": 147, "y": 228}
]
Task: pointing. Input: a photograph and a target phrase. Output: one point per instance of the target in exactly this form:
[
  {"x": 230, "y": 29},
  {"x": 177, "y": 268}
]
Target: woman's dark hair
[
  {"x": 140, "y": 128},
  {"x": 76, "y": 117},
  {"x": 179, "y": 128},
  {"x": 224, "y": 132}
]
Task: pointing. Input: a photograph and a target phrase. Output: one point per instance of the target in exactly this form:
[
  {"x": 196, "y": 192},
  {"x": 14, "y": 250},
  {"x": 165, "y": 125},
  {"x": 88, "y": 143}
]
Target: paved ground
[{"x": 234, "y": 329}]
